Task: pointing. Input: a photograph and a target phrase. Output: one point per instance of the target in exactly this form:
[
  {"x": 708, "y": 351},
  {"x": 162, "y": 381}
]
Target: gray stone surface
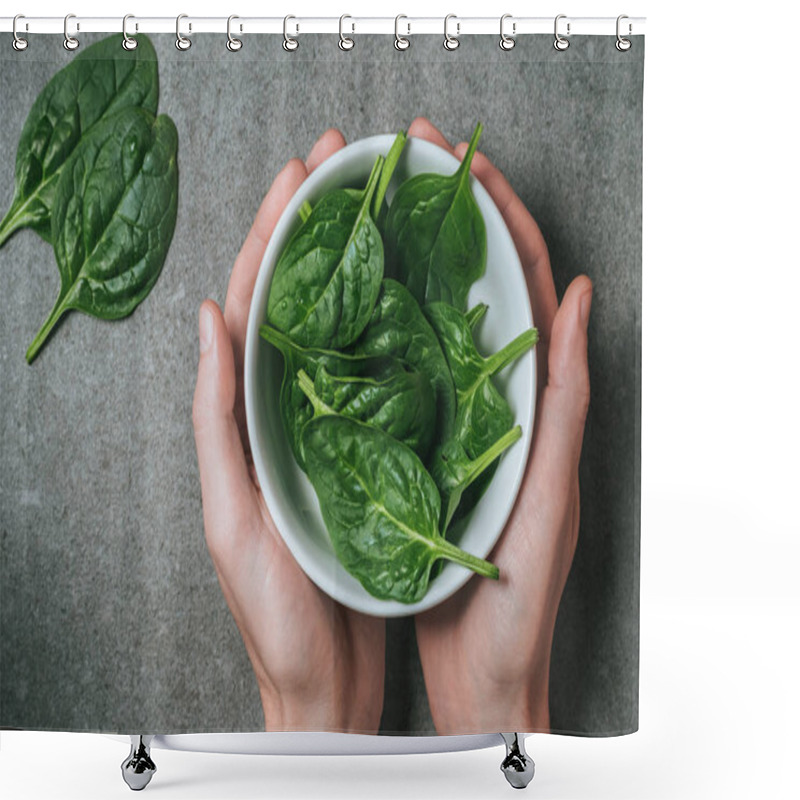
[{"x": 111, "y": 616}]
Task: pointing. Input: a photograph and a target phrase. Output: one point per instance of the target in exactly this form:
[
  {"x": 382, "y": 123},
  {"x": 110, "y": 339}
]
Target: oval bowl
[{"x": 288, "y": 493}]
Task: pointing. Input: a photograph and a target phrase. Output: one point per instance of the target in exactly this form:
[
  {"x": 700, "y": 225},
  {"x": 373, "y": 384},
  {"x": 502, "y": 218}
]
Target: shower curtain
[{"x": 347, "y": 514}]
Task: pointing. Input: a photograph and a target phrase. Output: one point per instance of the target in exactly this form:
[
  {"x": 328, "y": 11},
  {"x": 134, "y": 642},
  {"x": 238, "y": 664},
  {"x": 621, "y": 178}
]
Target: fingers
[
  {"x": 561, "y": 415},
  {"x": 228, "y": 493},
  {"x": 530, "y": 246},
  {"x": 423, "y": 129},
  {"x": 327, "y": 144}
]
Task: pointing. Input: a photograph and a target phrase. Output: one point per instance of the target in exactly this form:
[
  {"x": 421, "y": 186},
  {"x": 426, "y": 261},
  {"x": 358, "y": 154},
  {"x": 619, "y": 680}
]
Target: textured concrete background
[{"x": 111, "y": 616}]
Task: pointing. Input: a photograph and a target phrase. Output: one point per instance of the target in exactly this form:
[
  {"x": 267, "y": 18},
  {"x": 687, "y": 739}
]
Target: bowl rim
[{"x": 453, "y": 577}]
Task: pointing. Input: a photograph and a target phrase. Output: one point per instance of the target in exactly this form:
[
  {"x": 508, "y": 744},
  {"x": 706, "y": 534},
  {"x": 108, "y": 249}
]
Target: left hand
[{"x": 319, "y": 665}]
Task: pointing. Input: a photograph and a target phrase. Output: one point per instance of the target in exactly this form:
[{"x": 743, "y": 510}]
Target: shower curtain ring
[
  {"x": 70, "y": 42},
  {"x": 507, "y": 42},
  {"x": 401, "y": 42},
  {"x": 233, "y": 44},
  {"x": 182, "y": 42},
  {"x": 345, "y": 42},
  {"x": 451, "y": 42},
  {"x": 128, "y": 43},
  {"x": 561, "y": 43},
  {"x": 18, "y": 43},
  {"x": 290, "y": 43},
  {"x": 622, "y": 44}
]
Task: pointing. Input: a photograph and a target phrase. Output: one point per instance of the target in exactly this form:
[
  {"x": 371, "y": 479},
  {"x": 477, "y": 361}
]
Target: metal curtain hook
[
  {"x": 128, "y": 43},
  {"x": 560, "y": 42},
  {"x": 233, "y": 44},
  {"x": 290, "y": 44},
  {"x": 181, "y": 41},
  {"x": 401, "y": 42},
  {"x": 507, "y": 42},
  {"x": 70, "y": 42},
  {"x": 345, "y": 42},
  {"x": 18, "y": 43},
  {"x": 451, "y": 42},
  {"x": 622, "y": 44}
]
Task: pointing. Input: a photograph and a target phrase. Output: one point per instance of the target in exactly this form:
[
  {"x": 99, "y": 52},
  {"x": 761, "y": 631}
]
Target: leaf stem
[
  {"x": 449, "y": 551},
  {"x": 494, "y": 451},
  {"x": 13, "y": 221},
  {"x": 463, "y": 169},
  {"x": 307, "y": 387},
  {"x": 41, "y": 337},
  {"x": 511, "y": 352},
  {"x": 476, "y": 314},
  {"x": 304, "y": 212},
  {"x": 389, "y": 166}
]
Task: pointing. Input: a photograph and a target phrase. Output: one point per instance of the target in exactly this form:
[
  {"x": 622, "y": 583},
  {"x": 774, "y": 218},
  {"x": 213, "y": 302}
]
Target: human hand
[
  {"x": 319, "y": 665},
  {"x": 485, "y": 652}
]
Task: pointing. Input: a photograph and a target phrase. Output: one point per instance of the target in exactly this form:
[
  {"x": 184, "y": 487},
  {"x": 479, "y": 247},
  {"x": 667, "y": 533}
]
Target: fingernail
[
  {"x": 206, "y": 328},
  {"x": 586, "y": 306}
]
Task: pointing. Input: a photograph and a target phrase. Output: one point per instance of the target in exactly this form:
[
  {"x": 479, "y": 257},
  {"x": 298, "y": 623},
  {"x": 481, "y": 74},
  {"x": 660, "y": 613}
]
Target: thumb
[
  {"x": 565, "y": 400},
  {"x": 224, "y": 476}
]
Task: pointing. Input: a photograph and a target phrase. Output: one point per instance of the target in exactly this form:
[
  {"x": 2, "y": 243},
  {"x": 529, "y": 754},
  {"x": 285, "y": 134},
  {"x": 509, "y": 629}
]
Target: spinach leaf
[
  {"x": 454, "y": 471},
  {"x": 436, "y": 236},
  {"x": 328, "y": 277},
  {"x": 98, "y": 82},
  {"x": 381, "y": 508},
  {"x": 482, "y": 413},
  {"x": 296, "y": 409},
  {"x": 113, "y": 217},
  {"x": 392, "y": 158},
  {"x": 398, "y": 401},
  {"x": 398, "y": 328}
]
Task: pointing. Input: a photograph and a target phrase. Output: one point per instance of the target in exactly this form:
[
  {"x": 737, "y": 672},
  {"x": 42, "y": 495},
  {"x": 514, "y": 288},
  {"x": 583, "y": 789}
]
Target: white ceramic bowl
[{"x": 288, "y": 493}]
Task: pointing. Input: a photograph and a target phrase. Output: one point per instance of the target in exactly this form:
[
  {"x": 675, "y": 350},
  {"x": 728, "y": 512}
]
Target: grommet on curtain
[
  {"x": 70, "y": 42},
  {"x": 401, "y": 42},
  {"x": 181, "y": 42},
  {"x": 233, "y": 44},
  {"x": 622, "y": 44},
  {"x": 507, "y": 42},
  {"x": 345, "y": 42},
  {"x": 561, "y": 43},
  {"x": 290, "y": 44},
  {"x": 128, "y": 43},
  {"x": 451, "y": 42},
  {"x": 18, "y": 43}
]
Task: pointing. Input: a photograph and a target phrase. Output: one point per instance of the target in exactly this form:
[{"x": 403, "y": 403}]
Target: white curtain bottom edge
[{"x": 318, "y": 743}]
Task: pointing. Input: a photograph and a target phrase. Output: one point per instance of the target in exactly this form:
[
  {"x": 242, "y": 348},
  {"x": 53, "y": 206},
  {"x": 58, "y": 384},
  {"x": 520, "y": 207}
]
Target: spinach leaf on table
[
  {"x": 399, "y": 401},
  {"x": 454, "y": 471},
  {"x": 482, "y": 413},
  {"x": 100, "y": 81},
  {"x": 435, "y": 235},
  {"x": 381, "y": 508},
  {"x": 398, "y": 328},
  {"x": 113, "y": 216},
  {"x": 328, "y": 277}
]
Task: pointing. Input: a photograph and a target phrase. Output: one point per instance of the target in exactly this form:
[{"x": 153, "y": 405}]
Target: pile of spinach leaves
[
  {"x": 387, "y": 404},
  {"x": 96, "y": 176}
]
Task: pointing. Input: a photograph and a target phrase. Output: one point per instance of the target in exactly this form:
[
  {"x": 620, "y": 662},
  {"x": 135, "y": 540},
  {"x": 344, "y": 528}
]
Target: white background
[{"x": 720, "y": 613}]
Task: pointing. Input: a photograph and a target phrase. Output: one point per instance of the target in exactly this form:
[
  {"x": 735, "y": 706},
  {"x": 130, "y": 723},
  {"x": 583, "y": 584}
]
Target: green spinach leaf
[
  {"x": 454, "y": 471},
  {"x": 381, "y": 508},
  {"x": 296, "y": 409},
  {"x": 482, "y": 413},
  {"x": 100, "y": 81},
  {"x": 398, "y": 328},
  {"x": 328, "y": 277},
  {"x": 398, "y": 401},
  {"x": 436, "y": 236},
  {"x": 113, "y": 216}
]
